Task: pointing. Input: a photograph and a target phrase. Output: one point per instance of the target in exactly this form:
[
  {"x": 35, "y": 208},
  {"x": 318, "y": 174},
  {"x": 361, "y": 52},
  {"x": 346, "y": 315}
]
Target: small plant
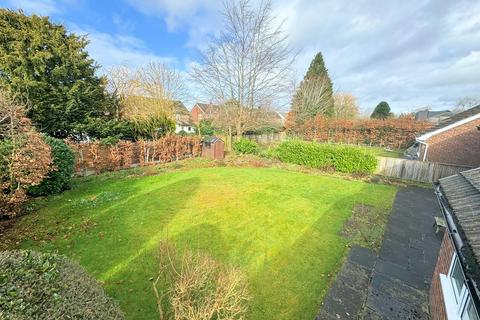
[
  {"x": 48, "y": 286},
  {"x": 61, "y": 178},
  {"x": 198, "y": 287},
  {"x": 246, "y": 146}
]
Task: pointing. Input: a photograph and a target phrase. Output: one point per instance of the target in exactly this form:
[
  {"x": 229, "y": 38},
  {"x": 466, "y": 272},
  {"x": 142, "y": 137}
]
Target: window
[
  {"x": 456, "y": 295},
  {"x": 469, "y": 312},
  {"x": 457, "y": 278}
]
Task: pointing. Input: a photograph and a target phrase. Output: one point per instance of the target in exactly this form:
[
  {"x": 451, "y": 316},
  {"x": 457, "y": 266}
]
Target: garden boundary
[
  {"x": 420, "y": 171},
  {"x": 95, "y": 157}
]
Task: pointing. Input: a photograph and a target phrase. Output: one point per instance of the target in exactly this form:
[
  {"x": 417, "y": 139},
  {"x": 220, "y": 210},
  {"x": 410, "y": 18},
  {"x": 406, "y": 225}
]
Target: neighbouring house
[
  {"x": 183, "y": 119},
  {"x": 454, "y": 292},
  {"x": 454, "y": 141},
  {"x": 435, "y": 117},
  {"x": 203, "y": 111}
]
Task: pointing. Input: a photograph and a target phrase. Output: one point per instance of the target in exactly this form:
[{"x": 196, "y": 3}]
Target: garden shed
[{"x": 213, "y": 148}]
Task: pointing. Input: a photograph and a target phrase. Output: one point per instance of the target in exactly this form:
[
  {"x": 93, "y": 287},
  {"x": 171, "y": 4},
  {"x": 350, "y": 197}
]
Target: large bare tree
[
  {"x": 147, "y": 90},
  {"x": 345, "y": 106},
  {"x": 248, "y": 64}
]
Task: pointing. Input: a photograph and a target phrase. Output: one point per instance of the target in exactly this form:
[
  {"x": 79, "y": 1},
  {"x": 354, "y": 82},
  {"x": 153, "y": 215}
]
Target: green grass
[{"x": 281, "y": 228}]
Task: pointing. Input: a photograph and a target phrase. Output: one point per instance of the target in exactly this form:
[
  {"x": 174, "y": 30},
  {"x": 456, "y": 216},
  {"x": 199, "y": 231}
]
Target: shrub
[
  {"x": 198, "y": 287},
  {"x": 246, "y": 146},
  {"x": 61, "y": 178},
  {"x": 48, "y": 286},
  {"x": 341, "y": 158},
  {"x": 25, "y": 158}
]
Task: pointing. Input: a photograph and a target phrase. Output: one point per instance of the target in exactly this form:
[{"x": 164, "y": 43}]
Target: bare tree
[
  {"x": 345, "y": 106},
  {"x": 310, "y": 95},
  {"x": 248, "y": 64},
  {"x": 466, "y": 103},
  {"x": 147, "y": 90}
]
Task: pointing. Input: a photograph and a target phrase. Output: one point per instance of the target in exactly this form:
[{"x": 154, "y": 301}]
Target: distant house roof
[
  {"x": 179, "y": 108},
  {"x": 452, "y": 122},
  {"x": 207, "y": 107},
  {"x": 428, "y": 114}
]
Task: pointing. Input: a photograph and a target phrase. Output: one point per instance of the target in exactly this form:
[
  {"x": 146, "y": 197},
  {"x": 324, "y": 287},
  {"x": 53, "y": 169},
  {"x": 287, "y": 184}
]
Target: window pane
[
  {"x": 457, "y": 278},
  {"x": 469, "y": 312}
]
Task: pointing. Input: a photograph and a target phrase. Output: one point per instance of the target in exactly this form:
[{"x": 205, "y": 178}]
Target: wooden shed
[{"x": 213, "y": 148}]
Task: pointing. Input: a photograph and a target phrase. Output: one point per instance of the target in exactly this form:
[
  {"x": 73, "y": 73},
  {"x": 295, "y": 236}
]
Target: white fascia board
[{"x": 428, "y": 135}]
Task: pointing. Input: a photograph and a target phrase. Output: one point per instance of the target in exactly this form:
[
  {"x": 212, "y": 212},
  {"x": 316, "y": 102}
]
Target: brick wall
[
  {"x": 437, "y": 306},
  {"x": 460, "y": 145},
  {"x": 197, "y": 114}
]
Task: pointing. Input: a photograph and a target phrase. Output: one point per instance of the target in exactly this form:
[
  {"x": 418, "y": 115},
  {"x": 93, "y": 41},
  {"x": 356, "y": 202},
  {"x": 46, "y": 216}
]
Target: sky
[{"x": 410, "y": 53}]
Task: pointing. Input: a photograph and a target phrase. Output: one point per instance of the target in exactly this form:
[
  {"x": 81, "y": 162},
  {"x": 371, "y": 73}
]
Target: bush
[
  {"x": 48, "y": 286},
  {"x": 59, "y": 179},
  {"x": 341, "y": 158},
  {"x": 245, "y": 146},
  {"x": 192, "y": 285}
]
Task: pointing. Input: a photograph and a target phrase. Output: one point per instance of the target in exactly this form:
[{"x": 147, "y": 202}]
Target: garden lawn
[{"x": 281, "y": 228}]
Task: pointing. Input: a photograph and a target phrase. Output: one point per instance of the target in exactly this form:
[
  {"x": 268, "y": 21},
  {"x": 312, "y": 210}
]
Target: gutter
[{"x": 458, "y": 244}]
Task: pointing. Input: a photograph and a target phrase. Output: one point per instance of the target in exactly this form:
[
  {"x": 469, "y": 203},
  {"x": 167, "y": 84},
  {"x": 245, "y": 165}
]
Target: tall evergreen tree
[
  {"x": 382, "y": 111},
  {"x": 49, "y": 69},
  {"x": 315, "y": 94}
]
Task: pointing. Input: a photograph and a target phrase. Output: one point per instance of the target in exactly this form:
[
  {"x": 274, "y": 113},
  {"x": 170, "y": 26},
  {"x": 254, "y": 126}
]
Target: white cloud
[{"x": 111, "y": 50}]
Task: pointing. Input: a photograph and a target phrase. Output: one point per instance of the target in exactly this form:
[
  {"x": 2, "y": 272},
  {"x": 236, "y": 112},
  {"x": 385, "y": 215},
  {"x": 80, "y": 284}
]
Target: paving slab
[
  {"x": 403, "y": 271},
  {"x": 395, "y": 284}
]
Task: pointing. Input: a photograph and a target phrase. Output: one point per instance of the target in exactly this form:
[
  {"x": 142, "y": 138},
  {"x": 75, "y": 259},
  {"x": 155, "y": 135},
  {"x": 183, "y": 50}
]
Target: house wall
[
  {"x": 459, "y": 145},
  {"x": 437, "y": 305},
  {"x": 197, "y": 114}
]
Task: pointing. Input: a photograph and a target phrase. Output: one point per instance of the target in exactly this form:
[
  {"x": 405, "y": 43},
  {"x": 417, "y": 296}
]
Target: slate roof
[
  {"x": 208, "y": 107},
  {"x": 457, "y": 117},
  {"x": 462, "y": 192},
  {"x": 427, "y": 114}
]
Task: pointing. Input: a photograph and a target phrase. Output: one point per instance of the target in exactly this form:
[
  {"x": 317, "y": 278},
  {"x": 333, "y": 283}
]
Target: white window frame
[{"x": 455, "y": 304}]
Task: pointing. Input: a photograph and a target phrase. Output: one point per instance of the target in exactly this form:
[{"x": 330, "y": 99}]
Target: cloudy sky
[{"x": 411, "y": 53}]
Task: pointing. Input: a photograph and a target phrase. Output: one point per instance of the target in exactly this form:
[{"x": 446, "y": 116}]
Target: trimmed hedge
[
  {"x": 341, "y": 158},
  {"x": 59, "y": 179},
  {"x": 246, "y": 146},
  {"x": 48, "y": 286}
]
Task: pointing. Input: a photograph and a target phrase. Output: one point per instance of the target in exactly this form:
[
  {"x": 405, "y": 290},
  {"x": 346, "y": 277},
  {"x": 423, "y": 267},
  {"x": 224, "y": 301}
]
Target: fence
[
  {"x": 267, "y": 138},
  {"x": 91, "y": 158},
  {"x": 416, "y": 170}
]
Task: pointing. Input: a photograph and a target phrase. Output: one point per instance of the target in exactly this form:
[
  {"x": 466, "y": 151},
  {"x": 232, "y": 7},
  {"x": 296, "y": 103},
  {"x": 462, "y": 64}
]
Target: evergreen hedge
[
  {"x": 59, "y": 179},
  {"x": 48, "y": 286},
  {"x": 341, "y": 158}
]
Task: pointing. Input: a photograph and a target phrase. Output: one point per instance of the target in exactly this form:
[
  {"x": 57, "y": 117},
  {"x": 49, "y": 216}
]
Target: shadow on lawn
[
  {"x": 126, "y": 270},
  {"x": 299, "y": 275}
]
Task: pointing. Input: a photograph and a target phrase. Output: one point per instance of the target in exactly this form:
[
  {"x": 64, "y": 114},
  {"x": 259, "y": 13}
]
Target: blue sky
[{"x": 411, "y": 53}]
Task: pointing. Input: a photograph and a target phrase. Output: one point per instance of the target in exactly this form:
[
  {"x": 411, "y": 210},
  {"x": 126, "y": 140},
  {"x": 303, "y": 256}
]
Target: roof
[
  {"x": 453, "y": 121},
  {"x": 462, "y": 192},
  {"x": 211, "y": 139},
  {"x": 179, "y": 108},
  {"x": 207, "y": 107},
  {"x": 427, "y": 114}
]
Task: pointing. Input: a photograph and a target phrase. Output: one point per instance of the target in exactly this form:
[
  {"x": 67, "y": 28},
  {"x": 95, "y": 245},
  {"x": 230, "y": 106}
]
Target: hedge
[
  {"x": 59, "y": 179},
  {"x": 246, "y": 146},
  {"x": 48, "y": 286},
  {"x": 341, "y": 158}
]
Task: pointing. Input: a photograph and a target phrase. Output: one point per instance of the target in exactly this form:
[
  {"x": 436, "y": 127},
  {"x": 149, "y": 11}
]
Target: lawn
[{"x": 282, "y": 228}]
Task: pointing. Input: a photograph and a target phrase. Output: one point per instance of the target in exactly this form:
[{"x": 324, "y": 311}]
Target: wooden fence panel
[
  {"x": 267, "y": 138},
  {"x": 416, "y": 170}
]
